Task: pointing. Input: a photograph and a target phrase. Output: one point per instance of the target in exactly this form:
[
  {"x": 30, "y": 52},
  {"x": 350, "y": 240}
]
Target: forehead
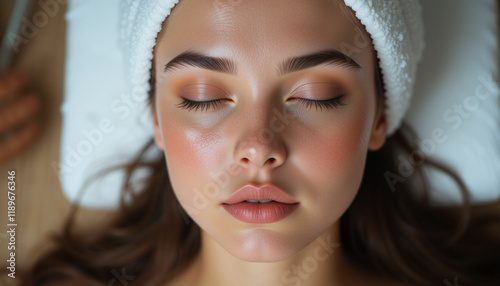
[{"x": 263, "y": 29}]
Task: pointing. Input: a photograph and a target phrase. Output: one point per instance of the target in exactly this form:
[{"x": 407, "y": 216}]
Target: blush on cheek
[
  {"x": 191, "y": 155},
  {"x": 332, "y": 163},
  {"x": 180, "y": 158},
  {"x": 335, "y": 153},
  {"x": 351, "y": 142}
]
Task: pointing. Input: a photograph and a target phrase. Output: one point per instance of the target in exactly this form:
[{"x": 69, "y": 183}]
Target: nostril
[
  {"x": 245, "y": 160},
  {"x": 271, "y": 160}
]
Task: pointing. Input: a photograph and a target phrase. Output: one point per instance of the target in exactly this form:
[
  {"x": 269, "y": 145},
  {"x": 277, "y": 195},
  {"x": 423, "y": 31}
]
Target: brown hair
[{"x": 393, "y": 231}]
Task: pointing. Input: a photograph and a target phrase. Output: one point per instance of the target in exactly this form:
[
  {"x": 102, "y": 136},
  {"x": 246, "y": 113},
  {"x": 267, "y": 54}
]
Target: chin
[{"x": 262, "y": 245}]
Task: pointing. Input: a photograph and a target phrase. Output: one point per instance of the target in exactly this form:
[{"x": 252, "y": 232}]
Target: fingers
[
  {"x": 15, "y": 112},
  {"x": 18, "y": 111},
  {"x": 20, "y": 140},
  {"x": 12, "y": 83}
]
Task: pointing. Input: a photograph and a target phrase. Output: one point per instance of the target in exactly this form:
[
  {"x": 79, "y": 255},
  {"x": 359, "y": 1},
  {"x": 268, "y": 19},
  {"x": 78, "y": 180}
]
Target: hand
[{"x": 18, "y": 126}]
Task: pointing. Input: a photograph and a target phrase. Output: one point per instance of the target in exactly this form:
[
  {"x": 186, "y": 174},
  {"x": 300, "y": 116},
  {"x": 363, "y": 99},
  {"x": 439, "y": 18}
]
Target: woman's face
[{"x": 303, "y": 125}]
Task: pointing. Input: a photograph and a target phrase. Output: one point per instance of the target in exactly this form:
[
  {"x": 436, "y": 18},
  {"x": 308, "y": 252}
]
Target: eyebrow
[
  {"x": 195, "y": 59},
  {"x": 332, "y": 57},
  {"x": 190, "y": 58}
]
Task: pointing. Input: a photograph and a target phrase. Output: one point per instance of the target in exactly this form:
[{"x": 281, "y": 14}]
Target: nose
[{"x": 260, "y": 148}]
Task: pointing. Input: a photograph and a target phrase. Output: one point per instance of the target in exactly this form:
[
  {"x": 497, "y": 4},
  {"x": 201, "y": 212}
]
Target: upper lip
[{"x": 262, "y": 193}]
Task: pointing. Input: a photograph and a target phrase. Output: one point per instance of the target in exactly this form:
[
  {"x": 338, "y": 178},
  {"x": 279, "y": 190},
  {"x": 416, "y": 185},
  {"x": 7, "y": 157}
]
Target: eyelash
[
  {"x": 327, "y": 103},
  {"x": 202, "y": 105},
  {"x": 206, "y": 105}
]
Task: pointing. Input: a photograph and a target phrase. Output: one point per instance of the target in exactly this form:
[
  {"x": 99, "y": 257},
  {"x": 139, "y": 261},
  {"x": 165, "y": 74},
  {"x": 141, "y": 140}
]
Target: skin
[
  {"x": 18, "y": 127},
  {"x": 316, "y": 156}
]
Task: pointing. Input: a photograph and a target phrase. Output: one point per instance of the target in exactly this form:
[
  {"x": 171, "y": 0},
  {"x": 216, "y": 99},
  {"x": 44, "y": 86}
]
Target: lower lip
[{"x": 260, "y": 213}]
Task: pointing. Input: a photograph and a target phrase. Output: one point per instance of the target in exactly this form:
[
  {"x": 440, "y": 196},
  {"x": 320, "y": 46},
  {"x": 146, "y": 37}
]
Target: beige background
[{"x": 41, "y": 206}]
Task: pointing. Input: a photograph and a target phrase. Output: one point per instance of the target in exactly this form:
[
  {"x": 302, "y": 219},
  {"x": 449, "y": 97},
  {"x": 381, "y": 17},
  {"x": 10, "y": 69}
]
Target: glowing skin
[{"x": 261, "y": 133}]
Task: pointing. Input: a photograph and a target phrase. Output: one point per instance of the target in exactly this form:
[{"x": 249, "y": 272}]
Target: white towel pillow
[{"x": 455, "y": 110}]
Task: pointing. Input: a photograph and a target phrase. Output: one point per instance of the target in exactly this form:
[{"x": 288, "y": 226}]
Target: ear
[
  {"x": 379, "y": 129},
  {"x": 157, "y": 131}
]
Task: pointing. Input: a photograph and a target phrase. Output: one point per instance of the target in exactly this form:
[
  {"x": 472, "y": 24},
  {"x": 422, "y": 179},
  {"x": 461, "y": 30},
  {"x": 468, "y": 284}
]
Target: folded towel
[
  {"x": 397, "y": 32},
  {"x": 396, "y": 28}
]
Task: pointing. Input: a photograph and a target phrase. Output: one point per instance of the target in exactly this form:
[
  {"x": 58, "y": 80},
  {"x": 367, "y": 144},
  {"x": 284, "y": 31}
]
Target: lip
[
  {"x": 262, "y": 193},
  {"x": 281, "y": 206}
]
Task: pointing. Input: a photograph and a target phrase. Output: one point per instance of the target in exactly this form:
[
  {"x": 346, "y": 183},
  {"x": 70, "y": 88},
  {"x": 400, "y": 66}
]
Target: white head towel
[{"x": 396, "y": 28}]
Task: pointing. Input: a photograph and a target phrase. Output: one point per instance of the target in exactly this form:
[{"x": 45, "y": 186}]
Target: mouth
[
  {"x": 265, "y": 204},
  {"x": 267, "y": 193},
  {"x": 259, "y": 202}
]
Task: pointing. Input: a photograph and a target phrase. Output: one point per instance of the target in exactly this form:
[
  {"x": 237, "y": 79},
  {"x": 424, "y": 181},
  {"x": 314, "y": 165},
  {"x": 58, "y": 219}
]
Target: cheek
[
  {"x": 191, "y": 156},
  {"x": 332, "y": 160},
  {"x": 335, "y": 152},
  {"x": 337, "y": 149}
]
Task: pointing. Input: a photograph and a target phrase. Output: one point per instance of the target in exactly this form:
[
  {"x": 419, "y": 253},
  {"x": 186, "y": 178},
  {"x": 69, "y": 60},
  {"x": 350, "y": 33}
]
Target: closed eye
[
  {"x": 309, "y": 103},
  {"x": 202, "y": 105},
  {"x": 327, "y": 103}
]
